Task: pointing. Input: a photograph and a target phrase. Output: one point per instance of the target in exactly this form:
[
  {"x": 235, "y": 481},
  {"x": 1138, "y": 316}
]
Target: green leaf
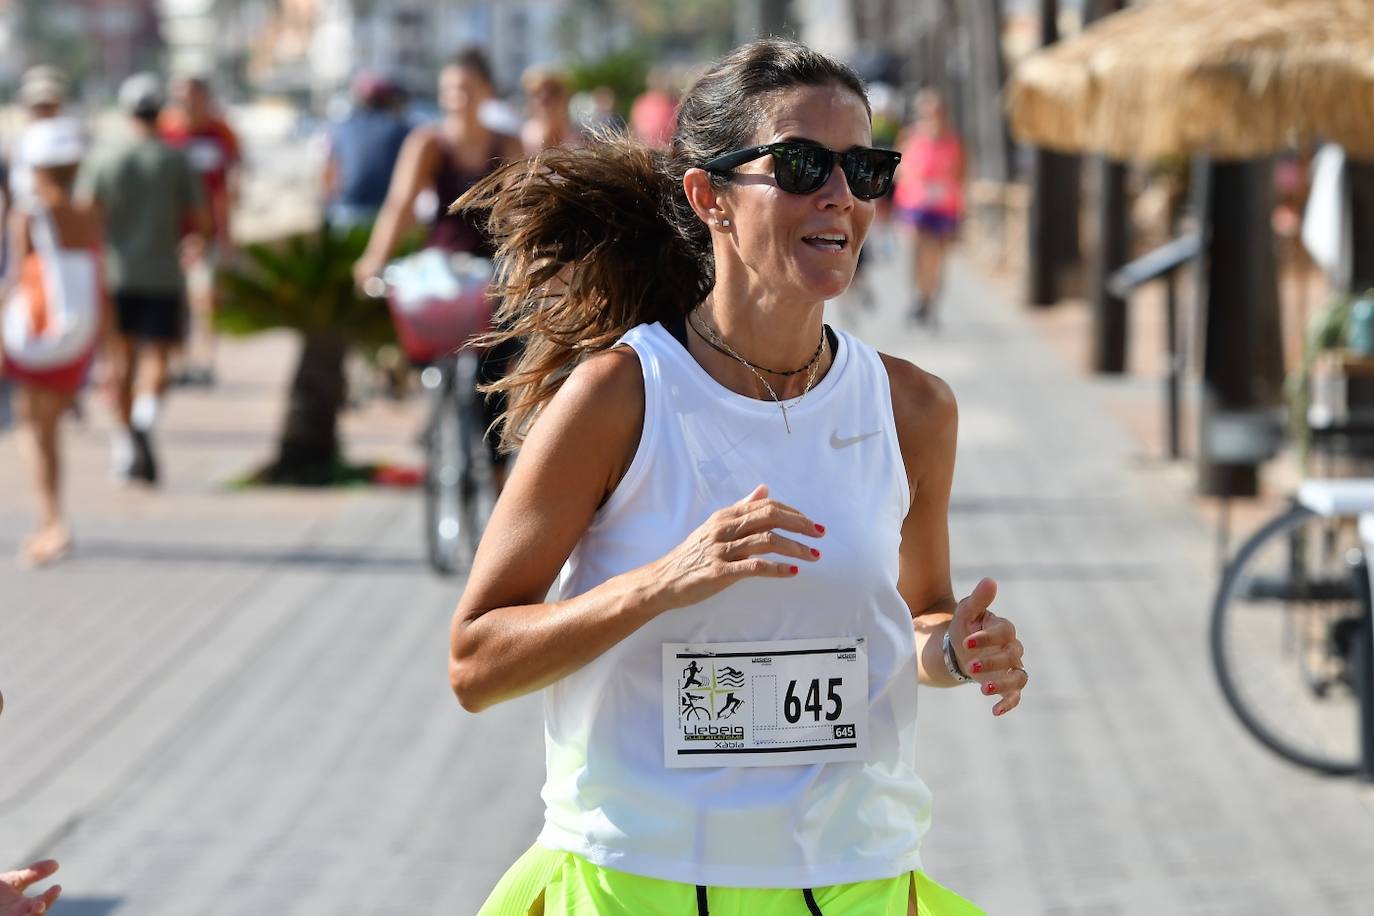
[{"x": 304, "y": 282}]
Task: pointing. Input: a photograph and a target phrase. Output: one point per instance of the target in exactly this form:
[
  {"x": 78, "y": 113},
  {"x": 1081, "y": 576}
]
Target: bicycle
[
  {"x": 458, "y": 487},
  {"x": 438, "y": 301},
  {"x": 1292, "y": 630}
]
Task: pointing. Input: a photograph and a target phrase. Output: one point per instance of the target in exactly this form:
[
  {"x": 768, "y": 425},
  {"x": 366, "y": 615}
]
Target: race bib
[{"x": 746, "y": 704}]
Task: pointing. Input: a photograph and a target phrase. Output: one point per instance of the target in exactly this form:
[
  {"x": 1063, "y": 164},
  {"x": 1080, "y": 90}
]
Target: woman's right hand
[
  {"x": 730, "y": 545},
  {"x": 365, "y": 268}
]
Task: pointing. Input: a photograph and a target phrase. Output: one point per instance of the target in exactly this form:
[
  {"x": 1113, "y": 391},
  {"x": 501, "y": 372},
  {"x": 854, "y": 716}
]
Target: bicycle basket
[{"x": 438, "y": 301}]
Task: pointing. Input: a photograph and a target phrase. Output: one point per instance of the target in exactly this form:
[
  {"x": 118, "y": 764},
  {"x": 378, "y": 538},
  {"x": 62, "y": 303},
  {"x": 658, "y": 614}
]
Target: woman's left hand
[
  {"x": 986, "y": 647},
  {"x": 13, "y": 902}
]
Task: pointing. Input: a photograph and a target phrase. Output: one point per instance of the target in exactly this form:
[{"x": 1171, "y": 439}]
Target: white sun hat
[{"x": 53, "y": 142}]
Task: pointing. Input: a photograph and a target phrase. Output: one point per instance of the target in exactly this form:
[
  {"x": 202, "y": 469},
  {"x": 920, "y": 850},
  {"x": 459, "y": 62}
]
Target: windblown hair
[{"x": 594, "y": 241}]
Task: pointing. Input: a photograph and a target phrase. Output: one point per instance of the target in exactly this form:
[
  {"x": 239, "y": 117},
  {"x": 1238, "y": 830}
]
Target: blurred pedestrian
[
  {"x": 701, "y": 516},
  {"x": 550, "y": 123},
  {"x": 42, "y": 93},
  {"x": 52, "y": 316},
  {"x": 930, "y": 197},
  {"x": 363, "y": 150},
  {"x": 449, "y": 157},
  {"x": 6, "y": 204},
  {"x": 194, "y": 124},
  {"x": 654, "y": 113},
  {"x": 13, "y": 884},
  {"x": 148, "y": 195},
  {"x": 602, "y": 117}
]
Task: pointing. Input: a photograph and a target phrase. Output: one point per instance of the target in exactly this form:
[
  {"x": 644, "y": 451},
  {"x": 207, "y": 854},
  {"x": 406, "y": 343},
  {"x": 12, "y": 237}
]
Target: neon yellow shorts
[{"x": 544, "y": 882}]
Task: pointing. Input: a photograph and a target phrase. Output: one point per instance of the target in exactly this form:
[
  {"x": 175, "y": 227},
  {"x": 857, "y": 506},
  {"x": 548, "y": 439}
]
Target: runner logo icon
[{"x": 700, "y": 699}]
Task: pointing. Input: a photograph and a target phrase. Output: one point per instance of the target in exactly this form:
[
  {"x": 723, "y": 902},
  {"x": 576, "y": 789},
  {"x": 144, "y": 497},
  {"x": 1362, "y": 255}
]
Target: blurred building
[
  {"x": 96, "y": 42},
  {"x": 214, "y": 37},
  {"x": 314, "y": 46}
]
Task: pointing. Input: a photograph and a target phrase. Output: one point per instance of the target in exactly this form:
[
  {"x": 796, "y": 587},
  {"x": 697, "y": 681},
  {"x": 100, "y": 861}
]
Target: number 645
[{"x": 792, "y": 705}]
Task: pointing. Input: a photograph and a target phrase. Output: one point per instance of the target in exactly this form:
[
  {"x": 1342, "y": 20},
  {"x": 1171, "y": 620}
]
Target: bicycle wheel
[
  {"x": 444, "y": 465},
  {"x": 478, "y": 476},
  {"x": 1285, "y": 626}
]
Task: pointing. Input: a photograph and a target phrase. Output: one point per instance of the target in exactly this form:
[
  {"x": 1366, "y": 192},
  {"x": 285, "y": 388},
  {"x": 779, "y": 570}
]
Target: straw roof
[{"x": 1232, "y": 78}]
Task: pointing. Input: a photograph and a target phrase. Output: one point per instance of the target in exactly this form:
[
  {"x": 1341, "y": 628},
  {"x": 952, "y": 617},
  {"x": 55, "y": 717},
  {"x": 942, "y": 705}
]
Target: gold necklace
[{"x": 719, "y": 343}]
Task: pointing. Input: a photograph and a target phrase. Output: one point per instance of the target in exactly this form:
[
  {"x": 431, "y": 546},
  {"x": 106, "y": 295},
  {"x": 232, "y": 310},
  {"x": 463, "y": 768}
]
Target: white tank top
[{"x": 609, "y": 796}]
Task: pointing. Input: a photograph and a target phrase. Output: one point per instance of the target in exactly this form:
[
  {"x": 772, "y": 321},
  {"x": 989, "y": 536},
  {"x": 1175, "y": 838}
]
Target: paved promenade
[{"x": 234, "y": 701}]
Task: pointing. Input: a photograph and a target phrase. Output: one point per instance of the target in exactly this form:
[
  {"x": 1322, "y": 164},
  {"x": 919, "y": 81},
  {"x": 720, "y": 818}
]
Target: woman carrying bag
[{"x": 53, "y": 312}]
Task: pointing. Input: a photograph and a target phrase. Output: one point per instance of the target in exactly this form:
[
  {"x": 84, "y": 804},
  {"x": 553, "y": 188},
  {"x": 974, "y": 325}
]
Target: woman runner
[{"x": 748, "y": 509}]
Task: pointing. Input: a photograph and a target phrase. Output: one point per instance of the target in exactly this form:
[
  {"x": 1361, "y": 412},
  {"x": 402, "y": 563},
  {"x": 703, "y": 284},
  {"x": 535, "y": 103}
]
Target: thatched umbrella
[{"x": 1234, "y": 79}]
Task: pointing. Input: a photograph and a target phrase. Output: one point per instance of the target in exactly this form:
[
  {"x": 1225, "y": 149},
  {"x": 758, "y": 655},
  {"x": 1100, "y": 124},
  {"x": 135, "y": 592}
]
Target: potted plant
[{"x": 305, "y": 283}]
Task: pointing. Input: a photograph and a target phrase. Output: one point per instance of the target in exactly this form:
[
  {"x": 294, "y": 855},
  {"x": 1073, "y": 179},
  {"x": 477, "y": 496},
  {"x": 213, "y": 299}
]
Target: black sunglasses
[{"x": 803, "y": 168}]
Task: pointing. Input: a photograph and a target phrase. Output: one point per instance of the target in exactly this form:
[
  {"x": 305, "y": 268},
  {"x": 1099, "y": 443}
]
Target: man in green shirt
[{"x": 148, "y": 197}]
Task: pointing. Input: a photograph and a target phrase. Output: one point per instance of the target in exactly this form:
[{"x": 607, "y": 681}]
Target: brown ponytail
[
  {"x": 592, "y": 242},
  {"x": 586, "y": 250}
]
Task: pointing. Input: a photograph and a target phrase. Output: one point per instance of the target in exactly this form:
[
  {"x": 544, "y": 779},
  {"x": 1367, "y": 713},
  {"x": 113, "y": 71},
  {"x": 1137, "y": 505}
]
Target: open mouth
[{"x": 833, "y": 242}]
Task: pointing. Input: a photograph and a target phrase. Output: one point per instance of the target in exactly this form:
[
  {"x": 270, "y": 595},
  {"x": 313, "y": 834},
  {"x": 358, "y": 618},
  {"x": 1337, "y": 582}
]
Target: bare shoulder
[
  {"x": 422, "y": 141},
  {"x": 610, "y": 384},
  {"x": 922, "y": 403},
  {"x": 927, "y": 420},
  {"x": 595, "y": 418}
]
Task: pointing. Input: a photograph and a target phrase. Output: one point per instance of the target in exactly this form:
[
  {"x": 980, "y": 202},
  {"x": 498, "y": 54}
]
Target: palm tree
[{"x": 305, "y": 282}]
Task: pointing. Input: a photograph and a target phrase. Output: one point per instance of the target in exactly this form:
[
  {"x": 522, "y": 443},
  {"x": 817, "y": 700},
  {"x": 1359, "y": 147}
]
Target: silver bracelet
[{"x": 952, "y": 663}]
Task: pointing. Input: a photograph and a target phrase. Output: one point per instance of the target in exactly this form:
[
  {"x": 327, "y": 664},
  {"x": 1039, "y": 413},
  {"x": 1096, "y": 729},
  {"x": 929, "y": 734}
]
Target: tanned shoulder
[
  {"x": 604, "y": 397},
  {"x": 926, "y": 415}
]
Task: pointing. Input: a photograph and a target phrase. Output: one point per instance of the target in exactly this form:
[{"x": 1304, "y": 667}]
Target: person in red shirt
[
  {"x": 194, "y": 125},
  {"x": 654, "y": 114}
]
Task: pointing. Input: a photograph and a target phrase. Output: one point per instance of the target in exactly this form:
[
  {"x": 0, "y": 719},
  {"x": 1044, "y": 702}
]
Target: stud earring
[{"x": 725, "y": 222}]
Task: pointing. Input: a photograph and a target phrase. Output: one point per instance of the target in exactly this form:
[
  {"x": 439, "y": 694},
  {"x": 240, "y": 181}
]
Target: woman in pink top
[{"x": 930, "y": 196}]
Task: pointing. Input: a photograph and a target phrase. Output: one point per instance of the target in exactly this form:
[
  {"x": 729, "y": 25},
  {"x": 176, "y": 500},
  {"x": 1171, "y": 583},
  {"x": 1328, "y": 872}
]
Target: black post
[
  {"x": 1173, "y": 379},
  {"x": 1360, "y": 181},
  {"x": 1109, "y": 311},
  {"x": 1242, "y": 369},
  {"x": 1052, "y": 234}
]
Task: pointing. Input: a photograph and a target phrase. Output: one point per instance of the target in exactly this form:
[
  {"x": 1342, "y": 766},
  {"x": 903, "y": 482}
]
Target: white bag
[
  {"x": 1326, "y": 221},
  {"x": 72, "y": 294},
  {"x": 438, "y": 301}
]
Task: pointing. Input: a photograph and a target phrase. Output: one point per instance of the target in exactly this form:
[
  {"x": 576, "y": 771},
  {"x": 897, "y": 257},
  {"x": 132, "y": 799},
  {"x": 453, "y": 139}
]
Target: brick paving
[{"x": 235, "y": 700}]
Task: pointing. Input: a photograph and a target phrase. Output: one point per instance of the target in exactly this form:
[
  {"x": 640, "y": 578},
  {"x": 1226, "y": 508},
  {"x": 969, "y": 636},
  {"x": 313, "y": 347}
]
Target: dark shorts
[
  {"x": 154, "y": 317},
  {"x": 943, "y": 225}
]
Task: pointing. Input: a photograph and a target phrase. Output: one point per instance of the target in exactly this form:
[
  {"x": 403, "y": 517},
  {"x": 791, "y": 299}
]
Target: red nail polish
[
  {"x": 972, "y": 643},
  {"x": 815, "y": 552},
  {"x": 976, "y": 667},
  {"x": 793, "y": 569},
  {"x": 989, "y": 688},
  {"x": 820, "y": 529}
]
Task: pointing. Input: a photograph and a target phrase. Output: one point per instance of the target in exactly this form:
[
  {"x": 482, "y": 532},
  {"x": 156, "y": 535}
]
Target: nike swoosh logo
[{"x": 837, "y": 442}]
